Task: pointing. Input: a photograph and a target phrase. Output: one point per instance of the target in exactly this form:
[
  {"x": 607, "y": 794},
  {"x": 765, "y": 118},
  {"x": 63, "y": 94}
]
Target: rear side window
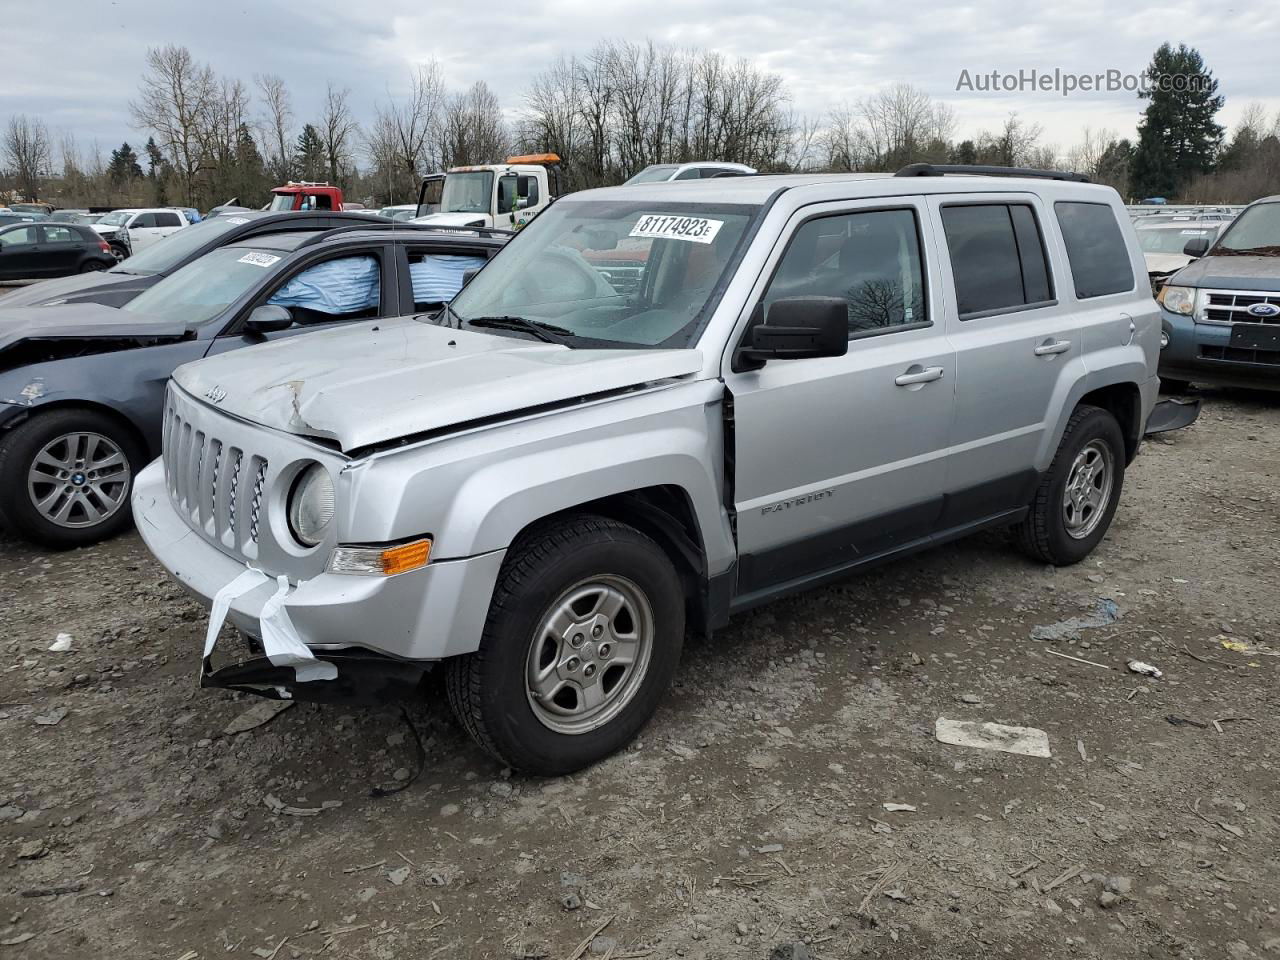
[
  {"x": 1095, "y": 248},
  {"x": 167, "y": 220},
  {"x": 60, "y": 235},
  {"x": 997, "y": 258}
]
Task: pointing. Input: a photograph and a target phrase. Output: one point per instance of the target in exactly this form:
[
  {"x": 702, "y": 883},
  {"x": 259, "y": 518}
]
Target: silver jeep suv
[{"x": 658, "y": 406}]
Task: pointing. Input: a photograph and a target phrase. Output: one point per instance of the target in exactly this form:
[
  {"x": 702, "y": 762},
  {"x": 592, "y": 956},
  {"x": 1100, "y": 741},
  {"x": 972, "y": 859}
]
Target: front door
[
  {"x": 20, "y": 253},
  {"x": 838, "y": 460}
]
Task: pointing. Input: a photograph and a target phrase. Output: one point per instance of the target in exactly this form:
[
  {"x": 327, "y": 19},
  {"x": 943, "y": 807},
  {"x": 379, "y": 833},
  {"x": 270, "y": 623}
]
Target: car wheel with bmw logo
[{"x": 66, "y": 476}]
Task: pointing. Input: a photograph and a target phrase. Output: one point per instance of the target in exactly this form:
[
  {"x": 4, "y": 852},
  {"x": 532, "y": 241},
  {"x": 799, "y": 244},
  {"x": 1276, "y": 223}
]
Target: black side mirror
[
  {"x": 797, "y": 328},
  {"x": 269, "y": 318},
  {"x": 1196, "y": 247}
]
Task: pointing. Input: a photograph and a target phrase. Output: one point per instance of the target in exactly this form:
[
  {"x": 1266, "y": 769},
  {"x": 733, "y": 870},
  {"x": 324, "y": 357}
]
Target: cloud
[{"x": 80, "y": 74}]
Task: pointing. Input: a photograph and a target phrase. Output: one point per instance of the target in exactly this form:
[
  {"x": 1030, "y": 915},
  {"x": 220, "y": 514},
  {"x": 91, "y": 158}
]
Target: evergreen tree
[
  {"x": 1178, "y": 137},
  {"x": 964, "y": 152},
  {"x": 1114, "y": 164},
  {"x": 155, "y": 159},
  {"x": 123, "y": 167},
  {"x": 310, "y": 160}
]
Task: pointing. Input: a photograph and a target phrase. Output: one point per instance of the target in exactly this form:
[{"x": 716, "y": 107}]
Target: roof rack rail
[
  {"x": 411, "y": 227},
  {"x": 985, "y": 170}
]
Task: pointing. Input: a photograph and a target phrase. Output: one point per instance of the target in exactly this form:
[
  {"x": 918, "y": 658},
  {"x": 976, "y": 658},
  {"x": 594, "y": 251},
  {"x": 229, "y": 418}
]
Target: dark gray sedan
[{"x": 82, "y": 385}]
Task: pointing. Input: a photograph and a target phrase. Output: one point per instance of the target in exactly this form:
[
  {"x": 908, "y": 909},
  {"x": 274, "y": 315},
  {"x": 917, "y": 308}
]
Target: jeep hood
[
  {"x": 80, "y": 321},
  {"x": 1231, "y": 273},
  {"x": 372, "y": 383},
  {"x": 80, "y": 286}
]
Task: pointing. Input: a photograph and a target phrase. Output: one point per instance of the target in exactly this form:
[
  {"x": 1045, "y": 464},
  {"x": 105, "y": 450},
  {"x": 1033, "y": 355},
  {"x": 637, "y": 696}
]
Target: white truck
[{"x": 506, "y": 194}]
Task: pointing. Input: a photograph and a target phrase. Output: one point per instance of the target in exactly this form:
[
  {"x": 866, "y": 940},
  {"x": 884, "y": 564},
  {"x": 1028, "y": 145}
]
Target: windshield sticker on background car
[
  {"x": 658, "y": 226},
  {"x": 259, "y": 259}
]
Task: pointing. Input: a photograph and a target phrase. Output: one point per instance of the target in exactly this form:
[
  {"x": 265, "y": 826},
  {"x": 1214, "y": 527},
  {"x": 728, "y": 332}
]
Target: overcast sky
[{"x": 78, "y": 68}]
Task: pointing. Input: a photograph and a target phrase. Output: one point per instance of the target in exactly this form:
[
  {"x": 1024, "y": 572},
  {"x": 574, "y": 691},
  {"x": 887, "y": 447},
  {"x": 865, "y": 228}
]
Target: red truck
[{"x": 309, "y": 195}]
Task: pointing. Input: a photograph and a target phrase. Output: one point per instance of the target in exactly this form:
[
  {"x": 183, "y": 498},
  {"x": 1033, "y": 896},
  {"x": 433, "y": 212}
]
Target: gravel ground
[{"x": 751, "y": 813}]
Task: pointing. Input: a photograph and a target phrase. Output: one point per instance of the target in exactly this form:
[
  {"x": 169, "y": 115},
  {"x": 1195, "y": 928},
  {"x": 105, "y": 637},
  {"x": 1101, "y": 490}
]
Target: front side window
[
  {"x": 997, "y": 258},
  {"x": 467, "y": 192},
  {"x": 208, "y": 285},
  {"x": 345, "y": 288},
  {"x": 871, "y": 260},
  {"x": 614, "y": 272},
  {"x": 18, "y": 237},
  {"x": 1096, "y": 249},
  {"x": 142, "y": 221}
]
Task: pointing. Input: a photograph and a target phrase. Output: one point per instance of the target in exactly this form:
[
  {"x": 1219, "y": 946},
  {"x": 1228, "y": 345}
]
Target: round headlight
[{"x": 311, "y": 505}]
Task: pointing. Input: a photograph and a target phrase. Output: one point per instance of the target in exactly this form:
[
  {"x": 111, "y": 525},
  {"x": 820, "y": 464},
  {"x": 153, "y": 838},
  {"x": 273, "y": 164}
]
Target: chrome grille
[
  {"x": 1232, "y": 306},
  {"x": 204, "y": 477}
]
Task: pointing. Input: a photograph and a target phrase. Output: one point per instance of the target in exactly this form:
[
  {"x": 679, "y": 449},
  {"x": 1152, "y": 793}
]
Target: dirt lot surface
[{"x": 752, "y": 812}]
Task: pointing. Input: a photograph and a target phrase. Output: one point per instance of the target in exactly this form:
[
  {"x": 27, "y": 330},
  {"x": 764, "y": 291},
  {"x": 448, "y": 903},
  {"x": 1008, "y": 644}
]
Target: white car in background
[
  {"x": 399, "y": 211},
  {"x": 701, "y": 170},
  {"x": 132, "y": 231},
  {"x": 1162, "y": 244}
]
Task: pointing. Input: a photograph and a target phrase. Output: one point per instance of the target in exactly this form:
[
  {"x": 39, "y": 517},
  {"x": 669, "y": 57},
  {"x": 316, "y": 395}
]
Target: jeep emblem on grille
[
  {"x": 215, "y": 394},
  {"x": 1264, "y": 310}
]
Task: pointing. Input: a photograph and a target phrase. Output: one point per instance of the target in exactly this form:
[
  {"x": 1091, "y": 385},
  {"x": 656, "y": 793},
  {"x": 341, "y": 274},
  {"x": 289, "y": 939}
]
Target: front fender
[{"x": 474, "y": 493}]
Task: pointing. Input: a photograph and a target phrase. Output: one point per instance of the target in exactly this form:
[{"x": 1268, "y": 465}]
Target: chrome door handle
[
  {"x": 920, "y": 376},
  {"x": 1051, "y": 347}
]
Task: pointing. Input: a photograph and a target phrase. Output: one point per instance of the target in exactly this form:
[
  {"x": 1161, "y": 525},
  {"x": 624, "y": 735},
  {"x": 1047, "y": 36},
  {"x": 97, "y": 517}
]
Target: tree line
[{"x": 608, "y": 113}]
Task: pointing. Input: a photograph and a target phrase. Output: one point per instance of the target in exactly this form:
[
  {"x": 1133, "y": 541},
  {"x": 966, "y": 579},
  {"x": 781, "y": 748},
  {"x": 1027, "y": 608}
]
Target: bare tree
[
  {"x": 408, "y": 124},
  {"x": 472, "y": 129},
  {"x": 28, "y": 153},
  {"x": 277, "y": 125},
  {"x": 174, "y": 103},
  {"x": 338, "y": 128}
]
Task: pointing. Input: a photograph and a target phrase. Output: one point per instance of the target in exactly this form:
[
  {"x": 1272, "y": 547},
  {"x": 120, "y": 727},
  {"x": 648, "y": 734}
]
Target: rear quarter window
[{"x": 1096, "y": 249}]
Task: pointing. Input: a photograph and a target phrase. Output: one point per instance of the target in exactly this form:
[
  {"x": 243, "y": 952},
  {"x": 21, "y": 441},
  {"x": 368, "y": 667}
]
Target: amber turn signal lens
[{"x": 407, "y": 556}]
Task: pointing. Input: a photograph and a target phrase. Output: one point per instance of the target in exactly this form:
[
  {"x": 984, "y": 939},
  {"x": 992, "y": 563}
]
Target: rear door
[
  {"x": 62, "y": 249},
  {"x": 168, "y": 222},
  {"x": 843, "y": 458},
  {"x": 20, "y": 253},
  {"x": 1017, "y": 347}
]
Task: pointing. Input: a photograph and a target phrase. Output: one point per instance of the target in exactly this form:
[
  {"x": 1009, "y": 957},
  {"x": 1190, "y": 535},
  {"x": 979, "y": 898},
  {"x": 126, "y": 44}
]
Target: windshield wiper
[
  {"x": 1269, "y": 250},
  {"x": 546, "y": 332}
]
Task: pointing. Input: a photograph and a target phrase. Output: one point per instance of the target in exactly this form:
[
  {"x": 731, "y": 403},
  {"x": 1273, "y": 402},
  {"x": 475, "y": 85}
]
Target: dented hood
[
  {"x": 369, "y": 384},
  {"x": 78, "y": 286},
  {"x": 80, "y": 320}
]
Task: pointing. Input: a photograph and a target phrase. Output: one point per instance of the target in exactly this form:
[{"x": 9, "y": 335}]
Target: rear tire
[
  {"x": 1077, "y": 497},
  {"x": 582, "y": 640},
  {"x": 59, "y": 469},
  {"x": 93, "y": 266}
]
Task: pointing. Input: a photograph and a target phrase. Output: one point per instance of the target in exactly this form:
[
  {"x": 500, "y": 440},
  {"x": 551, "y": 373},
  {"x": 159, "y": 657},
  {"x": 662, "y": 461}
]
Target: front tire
[
  {"x": 582, "y": 640},
  {"x": 66, "y": 477},
  {"x": 1077, "y": 497}
]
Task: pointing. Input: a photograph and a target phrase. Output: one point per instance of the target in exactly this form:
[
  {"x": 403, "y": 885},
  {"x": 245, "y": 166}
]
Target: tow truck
[{"x": 506, "y": 194}]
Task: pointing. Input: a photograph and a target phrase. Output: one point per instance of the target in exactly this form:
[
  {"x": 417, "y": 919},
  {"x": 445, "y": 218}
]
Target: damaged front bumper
[{"x": 343, "y": 637}]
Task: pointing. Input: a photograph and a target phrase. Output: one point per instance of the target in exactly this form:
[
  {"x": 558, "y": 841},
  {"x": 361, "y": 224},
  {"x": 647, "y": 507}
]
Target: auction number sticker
[
  {"x": 259, "y": 259},
  {"x": 662, "y": 226},
  {"x": 237, "y": 220}
]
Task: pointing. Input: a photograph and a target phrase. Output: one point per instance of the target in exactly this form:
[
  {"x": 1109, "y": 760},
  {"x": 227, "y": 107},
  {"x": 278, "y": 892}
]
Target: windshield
[
  {"x": 1257, "y": 230},
  {"x": 281, "y": 201},
  {"x": 613, "y": 273},
  {"x": 164, "y": 255},
  {"x": 654, "y": 174},
  {"x": 115, "y": 219},
  {"x": 1169, "y": 241},
  {"x": 205, "y": 287},
  {"x": 467, "y": 192}
]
